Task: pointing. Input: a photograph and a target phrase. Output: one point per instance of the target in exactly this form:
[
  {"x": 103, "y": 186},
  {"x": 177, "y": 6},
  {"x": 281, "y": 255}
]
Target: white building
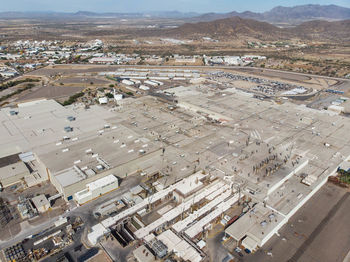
[
  {"x": 118, "y": 97},
  {"x": 257, "y": 227},
  {"x": 232, "y": 60},
  {"x": 143, "y": 87},
  {"x": 12, "y": 170},
  {"x": 143, "y": 254},
  {"x": 128, "y": 82},
  {"x": 151, "y": 83},
  {"x": 103, "y": 100},
  {"x": 97, "y": 231},
  {"x": 336, "y": 109},
  {"x": 96, "y": 189},
  {"x": 103, "y": 60}
]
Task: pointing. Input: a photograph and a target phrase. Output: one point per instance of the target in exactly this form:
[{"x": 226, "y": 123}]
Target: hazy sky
[{"x": 155, "y": 5}]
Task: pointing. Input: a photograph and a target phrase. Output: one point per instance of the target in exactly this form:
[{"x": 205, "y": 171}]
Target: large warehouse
[
  {"x": 89, "y": 150},
  {"x": 35, "y": 135}
]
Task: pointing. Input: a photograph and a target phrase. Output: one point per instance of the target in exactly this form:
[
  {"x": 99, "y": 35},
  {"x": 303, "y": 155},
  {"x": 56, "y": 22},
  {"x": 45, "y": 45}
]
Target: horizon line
[{"x": 160, "y": 11}]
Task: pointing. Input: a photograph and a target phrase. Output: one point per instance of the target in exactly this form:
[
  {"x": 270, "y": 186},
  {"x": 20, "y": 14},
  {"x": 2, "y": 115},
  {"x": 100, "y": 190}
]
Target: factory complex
[{"x": 209, "y": 150}]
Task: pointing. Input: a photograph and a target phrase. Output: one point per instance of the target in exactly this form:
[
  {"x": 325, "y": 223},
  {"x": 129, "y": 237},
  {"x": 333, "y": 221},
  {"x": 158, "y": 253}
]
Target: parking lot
[{"x": 263, "y": 86}]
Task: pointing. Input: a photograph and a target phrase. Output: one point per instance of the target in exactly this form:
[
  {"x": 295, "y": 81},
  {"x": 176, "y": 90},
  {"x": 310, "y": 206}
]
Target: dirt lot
[
  {"x": 51, "y": 92},
  {"x": 82, "y": 80},
  {"x": 318, "y": 232}
]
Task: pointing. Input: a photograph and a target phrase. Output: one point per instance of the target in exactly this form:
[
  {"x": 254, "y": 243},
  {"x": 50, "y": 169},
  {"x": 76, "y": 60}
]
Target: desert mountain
[
  {"x": 237, "y": 27},
  {"x": 280, "y": 14},
  {"x": 231, "y": 27},
  {"x": 319, "y": 30}
]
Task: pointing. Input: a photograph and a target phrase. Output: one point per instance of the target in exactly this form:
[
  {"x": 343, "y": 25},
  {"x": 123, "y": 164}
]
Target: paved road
[
  {"x": 85, "y": 212},
  {"x": 301, "y": 250},
  {"x": 216, "y": 250}
]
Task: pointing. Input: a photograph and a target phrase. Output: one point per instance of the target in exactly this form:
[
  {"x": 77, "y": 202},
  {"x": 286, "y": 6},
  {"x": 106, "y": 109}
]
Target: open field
[
  {"x": 82, "y": 81},
  {"x": 50, "y": 92},
  {"x": 62, "y": 83}
]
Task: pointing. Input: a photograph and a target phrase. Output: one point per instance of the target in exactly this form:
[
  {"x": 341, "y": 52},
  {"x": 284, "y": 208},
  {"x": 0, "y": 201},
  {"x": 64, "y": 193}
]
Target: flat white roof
[
  {"x": 182, "y": 224},
  {"x": 142, "y": 253},
  {"x": 221, "y": 208},
  {"x": 180, "y": 247},
  {"x": 258, "y": 223},
  {"x": 27, "y": 157},
  {"x": 250, "y": 243},
  {"x": 40, "y": 201},
  {"x": 13, "y": 170},
  {"x": 175, "y": 212},
  {"x": 69, "y": 177},
  {"x": 97, "y": 231},
  {"x": 151, "y": 199},
  {"x": 102, "y": 182},
  {"x": 42, "y": 122},
  {"x": 190, "y": 184}
]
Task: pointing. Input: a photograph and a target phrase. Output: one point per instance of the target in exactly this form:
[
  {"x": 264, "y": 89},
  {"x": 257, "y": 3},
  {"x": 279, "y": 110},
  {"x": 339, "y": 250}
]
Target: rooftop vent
[
  {"x": 263, "y": 223},
  {"x": 71, "y": 118},
  {"x": 68, "y": 129}
]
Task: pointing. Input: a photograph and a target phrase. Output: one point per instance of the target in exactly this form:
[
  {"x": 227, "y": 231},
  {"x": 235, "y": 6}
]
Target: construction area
[
  {"x": 46, "y": 243},
  {"x": 212, "y": 159}
]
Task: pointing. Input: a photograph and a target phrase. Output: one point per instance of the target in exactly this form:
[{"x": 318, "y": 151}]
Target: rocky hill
[
  {"x": 280, "y": 14},
  {"x": 236, "y": 27}
]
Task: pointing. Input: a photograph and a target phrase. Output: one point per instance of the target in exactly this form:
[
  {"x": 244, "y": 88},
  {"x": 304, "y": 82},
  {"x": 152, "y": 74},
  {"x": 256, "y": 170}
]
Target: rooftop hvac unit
[
  {"x": 99, "y": 167},
  {"x": 68, "y": 129},
  {"x": 70, "y": 118},
  {"x": 263, "y": 223}
]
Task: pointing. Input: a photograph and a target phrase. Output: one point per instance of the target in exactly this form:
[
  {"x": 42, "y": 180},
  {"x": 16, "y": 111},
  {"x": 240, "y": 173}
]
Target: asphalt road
[
  {"x": 301, "y": 250},
  {"x": 216, "y": 250}
]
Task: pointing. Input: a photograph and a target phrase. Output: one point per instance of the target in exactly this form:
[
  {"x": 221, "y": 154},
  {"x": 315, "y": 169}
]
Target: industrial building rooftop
[{"x": 210, "y": 143}]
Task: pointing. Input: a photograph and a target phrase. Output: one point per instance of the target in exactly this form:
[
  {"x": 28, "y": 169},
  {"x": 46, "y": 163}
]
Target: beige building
[
  {"x": 12, "y": 170},
  {"x": 41, "y": 203},
  {"x": 143, "y": 254}
]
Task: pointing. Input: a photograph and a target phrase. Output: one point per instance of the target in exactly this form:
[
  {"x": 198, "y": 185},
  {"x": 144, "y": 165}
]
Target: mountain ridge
[
  {"x": 237, "y": 27},
  {"x": 280, "y": 14}
]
